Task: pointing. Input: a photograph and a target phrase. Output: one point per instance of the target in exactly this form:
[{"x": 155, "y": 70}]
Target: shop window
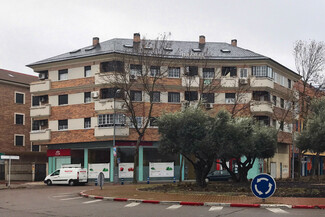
[{"x": 99, "y": 155}]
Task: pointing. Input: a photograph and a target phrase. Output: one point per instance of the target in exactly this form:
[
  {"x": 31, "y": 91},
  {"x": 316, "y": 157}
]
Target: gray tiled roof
[
  {"x": 181, "y": 49},
  {"x": 16, "y": 77}
]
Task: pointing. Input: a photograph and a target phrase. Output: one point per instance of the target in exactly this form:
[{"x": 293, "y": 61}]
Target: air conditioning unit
[
  {"x": 133, "y": 77},
  {"x": 41, "y": 76},
  {"x": 243, "y": 81},
  {"x": 95, "y": 94},
  {"x": 230, "y": 100},
  {"x": 208, "y": 105}
]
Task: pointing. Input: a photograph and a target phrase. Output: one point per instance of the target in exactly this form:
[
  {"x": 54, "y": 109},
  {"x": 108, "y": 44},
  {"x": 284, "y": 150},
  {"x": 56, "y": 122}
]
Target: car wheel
[
  {"x": 49, "y": 182},
  {"x": 71, "y": 183}
]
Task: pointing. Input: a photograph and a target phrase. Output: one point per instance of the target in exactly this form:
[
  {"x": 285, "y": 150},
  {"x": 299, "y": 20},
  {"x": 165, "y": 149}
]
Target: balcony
[
  {"x": 109, "y": 131},
  {"x": 229, "y": 82},
  {"x": 108, "y": 104},
  {"x": 262, "y": 82},
  {"x": 261, "y": 106},
  {"x": 191, "y": 81},
  {"x": 41, "y": 135},
  {"x": 40, "y": 86},
  {"x": 40, "y": 111}
]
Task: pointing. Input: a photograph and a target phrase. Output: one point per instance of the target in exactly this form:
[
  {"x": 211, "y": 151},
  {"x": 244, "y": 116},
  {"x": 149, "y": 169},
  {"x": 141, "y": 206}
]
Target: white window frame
[
  {"x": 39, "y": 148},
  {"x": 230, "y": 100},
  {"x": 87, "y": 73},
  {"x": 19, "y": 114},
  {"x": 24, "y": 98},
  {"x": 64, "y": 78},
  {"x": 242, "y": 72},
  {"x": 88, "y": 126},
  {"x": 63, "y": 129},
  {"x": 107, "y": 119},
  {"x": 23, "y": 139},
  {"x": 208, "y": 75},
  {"x": 172, "y": 72},
  {"x": 139, "y": 122}
]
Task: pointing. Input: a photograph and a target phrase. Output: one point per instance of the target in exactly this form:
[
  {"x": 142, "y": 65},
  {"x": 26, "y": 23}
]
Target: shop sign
[
  {"x": 58, "y": 152},
  {"x": 161, "y": 169},
  {"x": 125, "y": 170},
  {"x": 95, "y": 169}
]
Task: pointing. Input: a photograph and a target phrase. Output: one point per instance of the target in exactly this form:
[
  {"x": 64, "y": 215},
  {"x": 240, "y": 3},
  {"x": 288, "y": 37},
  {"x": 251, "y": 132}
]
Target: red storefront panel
[{"x": 58, "y": 152}]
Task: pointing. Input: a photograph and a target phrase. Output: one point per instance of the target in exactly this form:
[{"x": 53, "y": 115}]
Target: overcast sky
[{"x": 37, "y": 29}]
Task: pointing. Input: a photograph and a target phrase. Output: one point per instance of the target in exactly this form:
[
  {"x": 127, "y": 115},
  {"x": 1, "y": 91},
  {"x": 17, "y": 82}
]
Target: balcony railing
[
  {"x": 108, "y": 104},
  {"x": 261, "y": 82},
  {"x": 261, "y": 106},
  {"x": 191, "y": 81},
  {"x": 40, "y": 86},
  {"x": 109, "y": 131},
  {"x": 229, "y": 82},
  {"x": 41, "y": 135},
  {"x": 40, "y": 111}
]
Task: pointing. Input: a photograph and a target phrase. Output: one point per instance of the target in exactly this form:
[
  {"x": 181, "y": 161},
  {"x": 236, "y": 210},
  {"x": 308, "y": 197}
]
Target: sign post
[
  {"x": 9, "y": 157},
  {"x": 263, "y": 186},
  {"x": 100, "y": 180}
]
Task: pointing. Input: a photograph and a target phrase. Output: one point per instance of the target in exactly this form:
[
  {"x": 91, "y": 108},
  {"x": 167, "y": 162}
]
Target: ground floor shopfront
[{"x": 118, "y": 161}]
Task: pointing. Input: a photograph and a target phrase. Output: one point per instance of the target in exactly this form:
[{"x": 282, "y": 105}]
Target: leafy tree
[
  {"x": 313, "y": 137},
  {"x": 243, "y": 138},
  {"x": 186, "y": 133}
]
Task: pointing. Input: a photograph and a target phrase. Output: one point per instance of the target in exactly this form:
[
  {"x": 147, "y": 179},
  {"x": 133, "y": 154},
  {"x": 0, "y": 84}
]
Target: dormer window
[
  {"x": 196, "y": 50},
  {"x": 225, "y": 51}
]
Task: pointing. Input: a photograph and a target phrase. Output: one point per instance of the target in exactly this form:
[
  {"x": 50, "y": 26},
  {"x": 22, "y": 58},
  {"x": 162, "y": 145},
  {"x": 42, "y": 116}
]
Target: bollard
[
  {"x": 174, "y": 180},
  {"x": 95, "y": 182},
  {"x": 148, "y": 182},
  {"x": 122, "y": 181}
]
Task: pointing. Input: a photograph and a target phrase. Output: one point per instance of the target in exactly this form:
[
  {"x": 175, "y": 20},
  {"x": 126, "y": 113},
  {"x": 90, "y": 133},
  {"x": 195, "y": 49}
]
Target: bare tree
[
  {"x": 137, "y": 73},
  {"x": 310, "y": 63}
]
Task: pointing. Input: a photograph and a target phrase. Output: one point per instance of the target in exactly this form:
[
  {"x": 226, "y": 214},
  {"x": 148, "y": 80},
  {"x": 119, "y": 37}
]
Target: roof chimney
[
  {"x": 202, "y": 40},
  {"x": 234, "y": 42},
  {"x": 95, "y": 41},
  {"x": 136, "y": 38}
]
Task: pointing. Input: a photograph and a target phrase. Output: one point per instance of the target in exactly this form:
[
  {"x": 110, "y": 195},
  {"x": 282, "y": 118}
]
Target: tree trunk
[
  {"x": 202, "y": 169},
  {"x": 233, "y": 175},
  {"x": 136, "y": 160},
  {"x": 243, "y": 171}
]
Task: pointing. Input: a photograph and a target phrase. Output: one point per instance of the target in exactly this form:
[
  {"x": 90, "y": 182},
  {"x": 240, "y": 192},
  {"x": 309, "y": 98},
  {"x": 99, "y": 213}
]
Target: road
[{"x": 65, "y": 201}]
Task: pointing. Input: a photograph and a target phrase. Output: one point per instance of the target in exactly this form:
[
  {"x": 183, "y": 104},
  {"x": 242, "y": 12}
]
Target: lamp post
[{"x": 114, "y": 138}]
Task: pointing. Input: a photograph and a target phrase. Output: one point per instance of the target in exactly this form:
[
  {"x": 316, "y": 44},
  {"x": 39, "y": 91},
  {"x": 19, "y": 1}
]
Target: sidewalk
[
  {"x": 19, "y": 184},
  {"x": 127, "y": 192}
]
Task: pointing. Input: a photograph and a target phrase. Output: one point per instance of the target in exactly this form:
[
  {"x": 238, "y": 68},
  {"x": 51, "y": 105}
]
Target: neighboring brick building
[
  {"x": 72, "y": 108},
  {"x": 15, "y": 126}
]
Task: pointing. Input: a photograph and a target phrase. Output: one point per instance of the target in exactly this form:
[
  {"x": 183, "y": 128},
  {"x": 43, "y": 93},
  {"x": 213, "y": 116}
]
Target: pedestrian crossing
[{"x": 73, "y": 197}]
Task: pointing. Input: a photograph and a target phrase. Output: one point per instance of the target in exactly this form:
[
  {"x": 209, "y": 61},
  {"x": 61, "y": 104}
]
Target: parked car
[
  {"x": 219, "y": 175},
  {"x": 67, "y": 175}
]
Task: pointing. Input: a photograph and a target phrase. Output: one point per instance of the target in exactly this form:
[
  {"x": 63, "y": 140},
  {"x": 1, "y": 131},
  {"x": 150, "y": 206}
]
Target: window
[
  {"x": 63, "y": 99},
  {"x": 208, "y": 73},
  {"x": 263, "y": 120},
  {"x": 39, "y": 125},
  {"x": 135, "y": 70},
  {"x": 87, "y": 71},
  {"x": 281, "y": 125},
  {"x": 274, "y": 100},
  {"x": 107, "y": 93},
  {"x": 191, "y": 95},
  {"x": 155, "y": 96},
  {"x": 230, "y": 98},
  {"x": 191, "y": 70},
  {"x": 174, "y": 72},
  {"x": 107, "y": 120},
  {"x": 154, "y": 71},
  {"x": 262, "y": 71},
  {"x": 174, "y": 97},
  {"x": 261, "y": 96},
  {"x": 112, "y": 66},
  {"x": 63, "y": 74},
  {"x": 282, "y": 103},
  {"x": 87, "y": 97},
  {"x": 208, "y": 97},
  {"x": 243, "y": 73},
  {"x": 20, "y": 98},
  {"x": 19, "y": 140},
  {"x": 38, "y": 100},
  {"x": 19, "y": 119},
  {"x": 153, "y": 122},
  {"x": 274, "y": 123},
  {"x": 87, "y": 123},
  {"x": 289, "y": 83},
  {"x": 136, "y": 95},
  {"x": 139, "y": 122},
  {"x": 36, "y": 148},
  {"x": 63, "y": 124},
  {"x": 229, "y": 70}
]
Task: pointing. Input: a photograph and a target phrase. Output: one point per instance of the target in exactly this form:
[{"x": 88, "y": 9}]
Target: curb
[{"x": 186, "y": 203}]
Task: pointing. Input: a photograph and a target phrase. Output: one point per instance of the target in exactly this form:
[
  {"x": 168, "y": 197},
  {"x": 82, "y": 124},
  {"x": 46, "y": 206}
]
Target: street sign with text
[{"x": 9, "y": 157}]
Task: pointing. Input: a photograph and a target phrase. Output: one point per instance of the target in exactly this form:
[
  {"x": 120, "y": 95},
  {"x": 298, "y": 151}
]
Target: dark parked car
[{"x": 219, "y": 175}]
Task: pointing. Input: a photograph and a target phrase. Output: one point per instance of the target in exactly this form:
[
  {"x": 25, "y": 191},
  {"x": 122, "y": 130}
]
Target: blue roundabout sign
[{"x": 263, "y": 186}]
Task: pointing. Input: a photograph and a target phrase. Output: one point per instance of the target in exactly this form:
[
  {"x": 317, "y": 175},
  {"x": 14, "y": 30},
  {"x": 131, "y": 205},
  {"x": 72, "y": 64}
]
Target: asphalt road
[{"x": 65, "y": 201}]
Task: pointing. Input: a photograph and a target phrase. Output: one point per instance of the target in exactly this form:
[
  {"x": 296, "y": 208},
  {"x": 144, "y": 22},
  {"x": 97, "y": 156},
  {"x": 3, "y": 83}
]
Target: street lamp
[{"x": 114, "y": 135}]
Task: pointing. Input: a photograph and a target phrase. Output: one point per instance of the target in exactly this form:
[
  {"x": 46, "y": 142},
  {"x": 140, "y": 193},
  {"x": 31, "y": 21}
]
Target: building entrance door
[
  {"x": 273, "y": 169},
  {"x": 2, "y": 172},
  {"x": 40, "y": 172},
  {"x": 59, "y": 161}
]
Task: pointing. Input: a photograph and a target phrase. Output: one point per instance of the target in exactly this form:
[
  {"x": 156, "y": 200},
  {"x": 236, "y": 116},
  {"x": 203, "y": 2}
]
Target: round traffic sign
[{"x": 263, "y": 186}]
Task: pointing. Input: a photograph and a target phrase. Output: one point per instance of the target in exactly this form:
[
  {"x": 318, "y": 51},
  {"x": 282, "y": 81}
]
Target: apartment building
[
  {"x": 73, "y": 106},
  {"x": 15, "y": 126}
]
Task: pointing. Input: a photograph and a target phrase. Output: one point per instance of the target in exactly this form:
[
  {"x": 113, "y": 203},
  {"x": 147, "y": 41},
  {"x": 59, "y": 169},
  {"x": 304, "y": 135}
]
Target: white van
[{"x": 67, "y": 174}]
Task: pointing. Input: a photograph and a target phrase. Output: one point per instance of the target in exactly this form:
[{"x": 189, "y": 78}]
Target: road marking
[
  {"x": 216, "y": 208},
  {"x": 174, "y": 207},
  {"x": 92, "y": 201},
  {"x": 132, "y": 204},
  {"x": 66, "y": 195},
  {"x": 72, "y": 198},
  {"x": 276, "y": 210}
]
